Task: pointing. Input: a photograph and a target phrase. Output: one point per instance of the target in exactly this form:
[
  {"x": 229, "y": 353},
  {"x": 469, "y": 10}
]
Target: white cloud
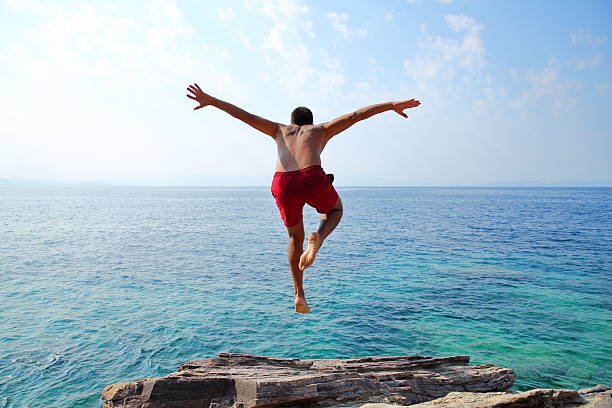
[
  {"x": 587, "y": 62},
  {"x": 286, "y": 46},
  {"x": 445, "y": 1},
  {"x": 42, "y": 8},
  {"x": 331, "y": 78},
  {"x": 286, "y": 39},
  {"x": 111, "y": 76},
  {"x": 389, "y": 15},
  {"x": 339, "y": 24},
  {"x": 226, "y": 14},
  {"x": 461, "y": 22},
  {"x": 604, "y": 88},
  {"x": 246, "y": 41},
  {"x": 547, "y": 83},
  {"x": 94, "y": 39},
  {"x": 442, "y": 58},
  {"x": 470, "y": 51},
  {"x": 489, "y": 100},
  {"x": 84, "y": 42},
  {"x": 584, "y": 37}
]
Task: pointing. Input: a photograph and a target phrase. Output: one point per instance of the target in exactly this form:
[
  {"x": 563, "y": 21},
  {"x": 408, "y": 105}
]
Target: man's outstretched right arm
[
  {"x": 263, "y": 125},
  {"x": 333, "y": 127}
]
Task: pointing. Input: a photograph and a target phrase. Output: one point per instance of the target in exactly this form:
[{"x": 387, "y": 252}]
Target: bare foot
[
  {"x": 308, "y": 257},
  {"x": 301, "y": 306}
]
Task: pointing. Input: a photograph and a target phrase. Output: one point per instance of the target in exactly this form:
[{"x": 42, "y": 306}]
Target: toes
[
  {"x": 303, "y": 260},
  {"x": 302, "y": 310}
]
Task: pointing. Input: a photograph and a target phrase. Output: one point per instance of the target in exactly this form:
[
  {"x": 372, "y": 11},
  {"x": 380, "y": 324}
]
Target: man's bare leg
[
  {"x": 294, "y": 251},
  {"x": 328, "y": 223}
]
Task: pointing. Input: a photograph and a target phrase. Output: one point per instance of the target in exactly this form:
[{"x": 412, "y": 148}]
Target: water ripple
[{"x": 114, "y": 284}]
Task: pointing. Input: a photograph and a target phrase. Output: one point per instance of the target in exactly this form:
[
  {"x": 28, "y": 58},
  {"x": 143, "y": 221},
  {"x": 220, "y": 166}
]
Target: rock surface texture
[
  {"x": 596, "y": 397},
  {"x": 243, "y": 381}
]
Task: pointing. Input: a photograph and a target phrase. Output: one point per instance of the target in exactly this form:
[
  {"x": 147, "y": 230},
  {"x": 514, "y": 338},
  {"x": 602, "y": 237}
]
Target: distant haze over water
[{"x": 246, "y": 181}]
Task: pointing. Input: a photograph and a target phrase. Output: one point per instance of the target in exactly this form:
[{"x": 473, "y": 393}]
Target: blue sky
[{"x": 511, "y": 92}]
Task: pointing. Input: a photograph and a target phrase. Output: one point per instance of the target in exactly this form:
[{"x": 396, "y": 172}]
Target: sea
[{"x": 109, "y": 284}]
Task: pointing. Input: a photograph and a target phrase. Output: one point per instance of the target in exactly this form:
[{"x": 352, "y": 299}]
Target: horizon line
[{"x": 23, "y": 182}]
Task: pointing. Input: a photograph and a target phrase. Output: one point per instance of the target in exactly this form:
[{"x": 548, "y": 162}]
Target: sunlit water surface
[{"x": 110, "y": 284}]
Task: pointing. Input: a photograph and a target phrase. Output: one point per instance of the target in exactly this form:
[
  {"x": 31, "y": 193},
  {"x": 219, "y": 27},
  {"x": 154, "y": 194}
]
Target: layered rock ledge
[
  {"x": 244, "y": 381},
  {"x": 596, "y": 397}
]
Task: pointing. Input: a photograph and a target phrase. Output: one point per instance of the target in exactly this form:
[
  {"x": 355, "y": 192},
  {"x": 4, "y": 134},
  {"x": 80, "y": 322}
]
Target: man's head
[{"x": 301, "y": 116}]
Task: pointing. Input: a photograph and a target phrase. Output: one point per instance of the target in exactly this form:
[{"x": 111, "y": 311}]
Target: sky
[{"x": 512, "y": 92}]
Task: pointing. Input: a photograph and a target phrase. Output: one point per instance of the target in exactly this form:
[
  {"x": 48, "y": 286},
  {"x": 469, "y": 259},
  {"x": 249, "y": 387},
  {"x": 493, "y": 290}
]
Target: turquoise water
[{"x": 110, "y": 284}]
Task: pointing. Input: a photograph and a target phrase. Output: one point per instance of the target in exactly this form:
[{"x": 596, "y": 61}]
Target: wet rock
[
  {"x": 596, "y": 397},
  {"x": 597, "y": 388},
  {"x": 243, "y": 381}
]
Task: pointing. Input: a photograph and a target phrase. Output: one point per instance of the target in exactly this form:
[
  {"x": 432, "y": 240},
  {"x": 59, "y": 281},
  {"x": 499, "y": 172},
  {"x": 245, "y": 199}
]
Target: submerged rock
[{"x": 243, "y": 381}]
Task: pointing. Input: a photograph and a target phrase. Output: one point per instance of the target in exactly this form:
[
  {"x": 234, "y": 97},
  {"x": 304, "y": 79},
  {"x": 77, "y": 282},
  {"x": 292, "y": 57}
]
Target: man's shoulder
[
  {"x": 301, "y": 129},
  {"x": 315, "y": 128}
]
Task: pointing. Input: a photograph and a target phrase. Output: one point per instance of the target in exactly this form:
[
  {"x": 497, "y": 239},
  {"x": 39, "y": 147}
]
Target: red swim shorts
[{"x": 293, "y": 189}]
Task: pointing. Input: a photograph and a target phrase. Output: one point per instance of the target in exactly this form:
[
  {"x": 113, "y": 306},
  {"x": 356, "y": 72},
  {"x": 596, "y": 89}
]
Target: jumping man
[{"x": 299, "y": 177}]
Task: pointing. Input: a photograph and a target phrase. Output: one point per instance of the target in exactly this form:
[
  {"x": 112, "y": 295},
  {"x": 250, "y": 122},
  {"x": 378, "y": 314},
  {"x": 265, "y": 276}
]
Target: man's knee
[
  {"x": 296, "y": 239},
  {"x": 337, "y": 207},
  {"x": 295, "y": 246},
  {"x": 296, "y": 232}
]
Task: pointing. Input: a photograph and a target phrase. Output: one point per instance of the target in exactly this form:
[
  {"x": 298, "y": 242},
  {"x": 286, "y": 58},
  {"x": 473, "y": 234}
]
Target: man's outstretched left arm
[{"x": 263, "y": 125}]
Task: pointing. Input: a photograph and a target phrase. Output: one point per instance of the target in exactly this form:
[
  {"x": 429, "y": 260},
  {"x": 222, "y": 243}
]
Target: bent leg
[
  {"x": 328, "y": 223},
  {"x": 294, "y": 252}
]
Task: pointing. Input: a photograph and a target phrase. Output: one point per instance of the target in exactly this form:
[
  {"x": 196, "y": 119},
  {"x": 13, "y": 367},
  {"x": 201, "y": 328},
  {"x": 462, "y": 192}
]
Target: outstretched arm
[
  {"x": 263, "y": 125},
  {"x": 340, "y": 124}
]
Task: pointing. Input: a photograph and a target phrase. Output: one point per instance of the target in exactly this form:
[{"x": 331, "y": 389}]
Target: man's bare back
[
  {"x": 299, "y": 147},
  {"x": 299, "y": 177}
]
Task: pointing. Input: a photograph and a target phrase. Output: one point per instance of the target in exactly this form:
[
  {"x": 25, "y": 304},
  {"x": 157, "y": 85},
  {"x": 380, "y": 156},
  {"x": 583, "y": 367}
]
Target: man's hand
[
  {"x": 400, "y": 106},
  {"x": 199, "y": 96},
  {"x": 263, "y": 125}
]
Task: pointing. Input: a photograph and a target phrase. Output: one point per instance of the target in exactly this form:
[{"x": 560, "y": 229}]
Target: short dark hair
[{"x": 301, "y": 116}]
